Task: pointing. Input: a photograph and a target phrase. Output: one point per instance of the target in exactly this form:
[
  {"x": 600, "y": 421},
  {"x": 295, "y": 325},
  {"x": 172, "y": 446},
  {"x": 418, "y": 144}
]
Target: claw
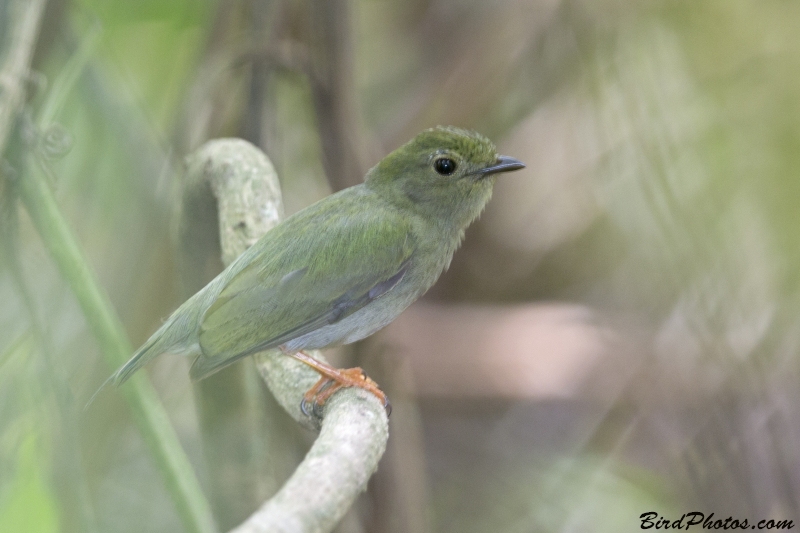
[
  {"x": 311, "y": 398},
  {"x": 331, "y": 380},
  {"x": 317, "y": 409},
  {"x": 387, "y": 406}
]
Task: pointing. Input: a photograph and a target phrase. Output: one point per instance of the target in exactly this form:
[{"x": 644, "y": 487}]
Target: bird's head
[{"x": 444, "y": 172}]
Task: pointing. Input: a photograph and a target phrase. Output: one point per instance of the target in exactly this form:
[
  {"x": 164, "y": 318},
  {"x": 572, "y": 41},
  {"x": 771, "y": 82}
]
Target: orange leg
[{"x": 331, "y": 380}]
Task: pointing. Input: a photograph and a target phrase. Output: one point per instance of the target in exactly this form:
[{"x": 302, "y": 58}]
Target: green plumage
[
  {"x": 344, "y": 267},
  {"x": 290, "y": 291}
]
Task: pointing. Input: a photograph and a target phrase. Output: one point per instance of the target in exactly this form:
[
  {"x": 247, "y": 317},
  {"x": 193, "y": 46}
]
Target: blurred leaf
[
  {"x": 29, "y": 505},
  {"x": 65, "y": 82},
  {"x": 22, "y": 344}
]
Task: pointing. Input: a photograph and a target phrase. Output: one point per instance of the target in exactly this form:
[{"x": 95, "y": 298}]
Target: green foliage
[{"x": 28, "y": 502}]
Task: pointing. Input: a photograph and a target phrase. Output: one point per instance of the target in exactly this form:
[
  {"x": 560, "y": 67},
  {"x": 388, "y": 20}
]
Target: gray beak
[{"x": 503, "y": 164}]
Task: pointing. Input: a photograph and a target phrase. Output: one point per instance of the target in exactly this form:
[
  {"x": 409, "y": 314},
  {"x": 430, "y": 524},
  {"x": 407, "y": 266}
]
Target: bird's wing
[{"x": 309, "y": 274}]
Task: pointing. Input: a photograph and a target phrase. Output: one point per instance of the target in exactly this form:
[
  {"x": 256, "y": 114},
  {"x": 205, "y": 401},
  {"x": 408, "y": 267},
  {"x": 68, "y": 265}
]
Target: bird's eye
[{"x": 444, "y": 166}]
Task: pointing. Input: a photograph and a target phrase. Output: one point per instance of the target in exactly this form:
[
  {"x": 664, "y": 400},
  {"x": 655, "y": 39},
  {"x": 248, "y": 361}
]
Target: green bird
[{"x": 340, "y": 269}]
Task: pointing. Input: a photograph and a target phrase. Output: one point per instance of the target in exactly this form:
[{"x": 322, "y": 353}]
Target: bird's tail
[
  {"x": 142, "y": 356},
  {"x": 139, "y": 359}
]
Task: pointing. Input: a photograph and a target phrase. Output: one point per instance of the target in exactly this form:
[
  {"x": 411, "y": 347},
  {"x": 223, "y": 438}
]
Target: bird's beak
[{"x": 503, "y": 164}]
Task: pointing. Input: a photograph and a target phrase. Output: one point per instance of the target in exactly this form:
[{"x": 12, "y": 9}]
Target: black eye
[{"x": 444, "y": 166}]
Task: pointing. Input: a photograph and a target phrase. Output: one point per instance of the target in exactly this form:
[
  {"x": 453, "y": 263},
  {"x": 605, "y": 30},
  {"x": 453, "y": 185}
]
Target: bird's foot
[{"x": 331, "y": 380}]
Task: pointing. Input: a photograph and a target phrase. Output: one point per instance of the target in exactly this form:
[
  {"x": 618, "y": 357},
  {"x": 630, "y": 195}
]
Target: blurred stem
[
  {"x": 227, "y": 421},
  {"x": 399, "y": 490},
  {"x": 68, "y": 77},
  {"x": 148, "y": 413},
  {"x": 208, "y": 104},
  {"x": 25, "y": 18},
  {"x": 262, "y": 13},
  {"x": 71, "y": 483},
  {"x": 345, "y": 148},
  {"x": 24, "y": 22}
]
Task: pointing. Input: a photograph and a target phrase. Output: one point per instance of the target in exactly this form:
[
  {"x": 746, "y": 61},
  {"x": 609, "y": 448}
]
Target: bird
[{"x": 340, "y": 269}]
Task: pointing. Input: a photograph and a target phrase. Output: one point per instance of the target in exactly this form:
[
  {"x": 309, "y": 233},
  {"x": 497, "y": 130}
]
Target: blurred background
[{"x": 619, "y": 333}]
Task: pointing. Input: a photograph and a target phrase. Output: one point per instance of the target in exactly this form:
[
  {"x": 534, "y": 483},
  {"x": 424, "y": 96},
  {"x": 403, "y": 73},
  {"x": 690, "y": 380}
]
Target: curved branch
[
  {"x": 344, "y": 456},
  {"x": 354, "y": 429}
]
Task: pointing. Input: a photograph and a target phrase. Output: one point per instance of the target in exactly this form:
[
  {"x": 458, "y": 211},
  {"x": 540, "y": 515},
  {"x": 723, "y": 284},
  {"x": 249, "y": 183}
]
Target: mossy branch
[{"x": 354, "y": 429}]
